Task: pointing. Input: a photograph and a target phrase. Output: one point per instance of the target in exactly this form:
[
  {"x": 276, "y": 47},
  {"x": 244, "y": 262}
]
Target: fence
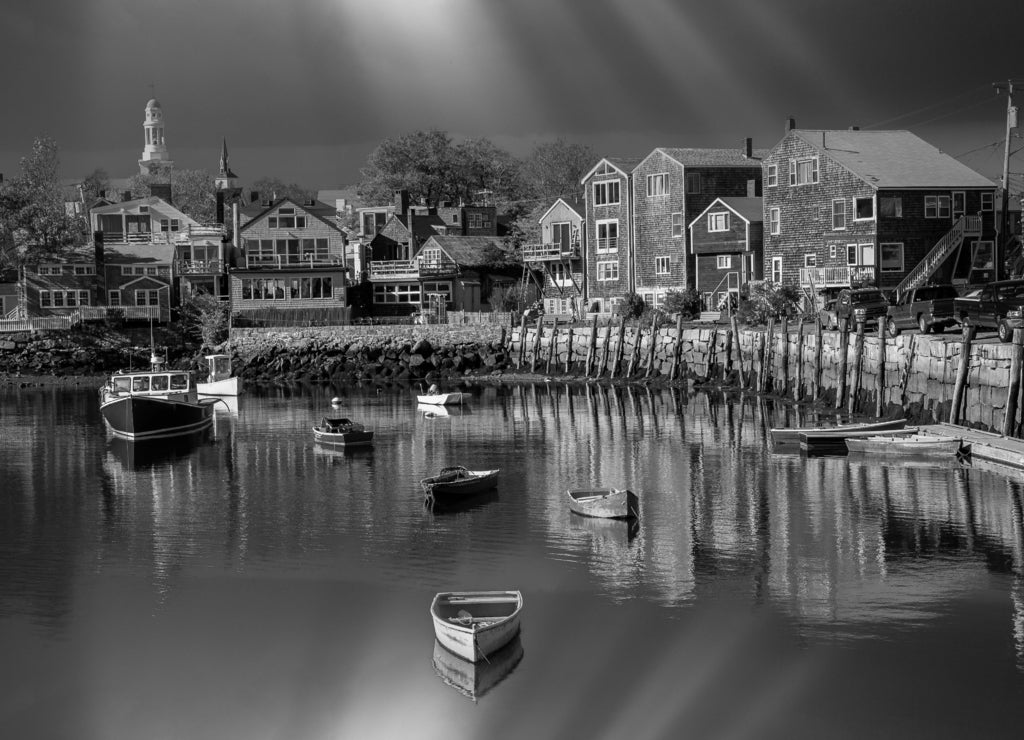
[{"x": 265, "y": 317}]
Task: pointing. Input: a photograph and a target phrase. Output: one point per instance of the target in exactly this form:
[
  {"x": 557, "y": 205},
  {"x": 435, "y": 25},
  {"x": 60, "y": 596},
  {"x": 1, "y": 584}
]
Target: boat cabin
[
  {"x": 150, "y": 384},
  {"x": 220, "y": 367}
]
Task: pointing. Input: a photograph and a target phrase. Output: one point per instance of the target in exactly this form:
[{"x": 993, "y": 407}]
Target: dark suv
[
  {"x": 861, "y": 304},
  {"x": 998, "y": 305}
]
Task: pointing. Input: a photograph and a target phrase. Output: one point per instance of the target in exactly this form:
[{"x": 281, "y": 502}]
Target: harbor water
[{"x": 253, "y": 584}]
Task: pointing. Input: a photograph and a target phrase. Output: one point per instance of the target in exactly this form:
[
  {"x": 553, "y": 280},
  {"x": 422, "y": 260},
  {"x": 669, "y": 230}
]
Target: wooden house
[{"x": 726, "y": 241}]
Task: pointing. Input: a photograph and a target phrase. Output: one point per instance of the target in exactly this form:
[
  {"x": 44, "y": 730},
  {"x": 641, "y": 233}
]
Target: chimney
[
  {"x": 220, "y": 206},
  {"x": 235, "y": 225},
  {"x": 752, "y": 189},
  {"x": 790, "y": 124},
  {"x": 401, "y": 202},
  {"x": 748, "y": 147}
]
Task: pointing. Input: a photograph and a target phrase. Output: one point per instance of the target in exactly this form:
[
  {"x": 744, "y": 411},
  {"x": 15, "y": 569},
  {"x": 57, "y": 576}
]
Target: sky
[{"x": 304, "y": 90}]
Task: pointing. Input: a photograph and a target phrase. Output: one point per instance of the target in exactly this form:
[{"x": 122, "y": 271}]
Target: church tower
[
  {"x": 226, "y": 179},
  {"x": 154, "y": 155}
]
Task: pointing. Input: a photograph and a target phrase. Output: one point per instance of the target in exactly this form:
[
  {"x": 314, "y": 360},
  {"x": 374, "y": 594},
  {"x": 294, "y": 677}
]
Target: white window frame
[
  {"x": 724, "y": 262},
  {"x": 84, "y": 269},
  {"x": 777, "y": 270},
  {"x": 607, "y": 271},
  {"x": 397, "y": 294},
  {"x": 870, "y": 198},
  {"x": 881, "y": 257},
  {"x": 774, "y": 221},
  {"x": 606, "y": 222},
  {"x": 987, "y": 202},
  {"x": 657, "y": 185},
  {"x": 113, "y": 298},
  {"x": 838, "y": 214},
  {"x": 677, "y": 225},
  {"x": 604, "y": 191},
  {"x": 772, "y": 175},
  {"x": 151, "y": 297},
  {"x": 662, "y": 265},
  {"x": 795, "y": 169},
  {"x": 810, "y": 259},
  {"x": 933, "y": 205},
  {"x": 718, "y": 221},
  {"x": 831, "y": 251}
]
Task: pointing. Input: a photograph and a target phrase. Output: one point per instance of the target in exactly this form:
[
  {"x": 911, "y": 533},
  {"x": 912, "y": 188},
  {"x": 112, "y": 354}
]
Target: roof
[
  {"x": 690, "y": 157},
  {"x": 156, "y": 205},
  {"x": 134, "y": 253},
  {"x": 892, "y": 159},
  {"x": 469, "y": 251},
  {"x": 424, "y": 225},
  {"x": 749, "y": 209},
  {"x": 576, "y": 205},
  {"x": 624, "y": 164},
  {"x": 323, "y": 211}
]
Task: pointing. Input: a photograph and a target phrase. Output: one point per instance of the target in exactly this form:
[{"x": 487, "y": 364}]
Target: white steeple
[{"x": 155, "y": 151}]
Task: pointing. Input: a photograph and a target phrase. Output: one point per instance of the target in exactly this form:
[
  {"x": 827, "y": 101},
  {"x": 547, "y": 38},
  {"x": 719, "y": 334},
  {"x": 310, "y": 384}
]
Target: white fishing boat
[
  {"x": 220, "y": 381},
  {"x": 475, "y": 624},
  {"x": 432, "y": 396}
]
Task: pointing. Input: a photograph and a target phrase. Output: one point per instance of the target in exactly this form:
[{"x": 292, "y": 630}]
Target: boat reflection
[
  {"x": 225, "y": 406},
  {"x": 454, "y": 505},
  {"x": 431, "y": 411},
  {"x": 137, "y": 455},
  {"x": 609, "y": 534},
  {"x": 473, "y": 680}
]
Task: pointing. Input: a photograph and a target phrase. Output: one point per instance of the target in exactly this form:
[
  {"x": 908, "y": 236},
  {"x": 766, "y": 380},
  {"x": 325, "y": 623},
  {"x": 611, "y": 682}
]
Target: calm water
[{"x": 253, "y": 585}]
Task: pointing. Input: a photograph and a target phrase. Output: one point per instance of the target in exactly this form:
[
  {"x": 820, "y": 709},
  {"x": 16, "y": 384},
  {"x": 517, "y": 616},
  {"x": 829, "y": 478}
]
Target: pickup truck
[
  {"x": 998, "y": 305},
  {"x": 928, "y": 308}
]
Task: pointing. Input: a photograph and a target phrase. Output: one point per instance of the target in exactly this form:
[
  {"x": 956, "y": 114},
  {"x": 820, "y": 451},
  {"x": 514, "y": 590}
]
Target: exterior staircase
[{"x": 951, "y": 240}]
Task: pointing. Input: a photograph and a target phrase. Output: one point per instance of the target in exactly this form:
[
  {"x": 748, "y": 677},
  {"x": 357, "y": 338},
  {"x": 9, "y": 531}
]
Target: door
[
  {"x": 959, "y": 204},
  {"x": 561, "y": 236}
]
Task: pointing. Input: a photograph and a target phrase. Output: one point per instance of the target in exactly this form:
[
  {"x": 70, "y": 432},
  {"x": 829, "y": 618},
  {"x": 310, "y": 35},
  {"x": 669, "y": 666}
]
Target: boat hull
[
  {"x": 914, "y": 445},
  {"x": 154, "y": 417},
  {"x": 441, "y": 399},
  {"x": 226, "y": 387},
  {"x": 495, "y": 621},
  {"x": 605, "y": 504},
  {"x": 482, "y": 480},
  {"x": 792, "y": 435},
  {"x": 343, "y": 439},
  {"x": 473, "y": 680}
]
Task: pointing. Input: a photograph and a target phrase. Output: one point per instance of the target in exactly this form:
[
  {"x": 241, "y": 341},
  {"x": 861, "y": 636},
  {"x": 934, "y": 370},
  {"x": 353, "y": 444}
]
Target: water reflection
[{"x": 473, "y": 680}]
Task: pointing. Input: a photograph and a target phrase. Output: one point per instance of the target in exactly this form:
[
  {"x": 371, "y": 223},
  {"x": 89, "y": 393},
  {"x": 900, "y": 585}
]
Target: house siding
[
  {"x": 556, "y": 295},
  {"x": 601, "y": 293}
]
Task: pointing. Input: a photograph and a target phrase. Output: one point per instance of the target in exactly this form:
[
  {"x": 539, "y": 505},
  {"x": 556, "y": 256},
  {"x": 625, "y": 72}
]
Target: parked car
[
  {"x": 861, "y": 304},
  {"x": 998, "y": 305},
  {"x": 928, "y": 308}
]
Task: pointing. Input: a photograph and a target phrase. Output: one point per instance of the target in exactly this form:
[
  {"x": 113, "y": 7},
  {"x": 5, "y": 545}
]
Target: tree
[
  {"x": 272, "y": 187},
  {"x": 481, "y": 172},
  {"x": 554, "y": 169},
  {"x": 95, "y": 183},
  {"x": 193, "y": 192},
  {"x": 34, "y": 224},
  {"x": 206, "y": 317}
]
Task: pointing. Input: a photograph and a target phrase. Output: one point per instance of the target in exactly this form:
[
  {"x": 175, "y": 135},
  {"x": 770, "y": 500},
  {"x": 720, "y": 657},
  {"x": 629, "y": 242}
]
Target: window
[
  {"x": 657, "y": 185},
  {"x": 693, "y": 182},
  {"x": 477, "y": 220},
  {"x": 286, "y": 219},
  {"x": 863, "y": 209},
  {"x": 147, "y": 298},
  {"x": 113, "y": 298},
  {"x": 444, "y": 288},
  {"x": 606, "y": 193},
  {"x": 718, "y": 221},
  {"x": 936, "y": 206},
  {"x": 50, "y": 269},
  {"x": 402, "y": 293},
  {"x": 63, "y": 298},
  {"x": 774, "y": 221},
  {"x": 772, "y": 175},
  {"x": 831, "y": 251},
  {"x": 986, "y": 201},
  {"x": 803, "y": 171},
  {"x": 851, "y": 254},
  {"x": 170, "y": 224},
  {"x": 85, "y": 270},
  {"x": 160, "y": 382},
  {"x": 607, "y": 271},
  {"x": 890, "y": 207},
  {"x": 607, "y": 236},
  {"x": 776, "y": 269},
  {"x": 810, "y": 260},
  {"x": 662, "y": 266},
  {"x": 838, "y": 215},
  {"x": 724, "y": 261},
  {"x": 891, "y": 257},
  {"x": 677, "y": 225}
]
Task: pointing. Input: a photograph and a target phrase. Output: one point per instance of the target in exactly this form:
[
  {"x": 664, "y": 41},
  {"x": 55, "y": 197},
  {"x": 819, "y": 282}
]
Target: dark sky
[{"x": 305, "y": 89}]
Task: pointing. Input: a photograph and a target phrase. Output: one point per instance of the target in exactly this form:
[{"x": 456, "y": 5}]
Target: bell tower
[
  {"x": 226, "y": 179},
  {"x": 154, "y": 154}
]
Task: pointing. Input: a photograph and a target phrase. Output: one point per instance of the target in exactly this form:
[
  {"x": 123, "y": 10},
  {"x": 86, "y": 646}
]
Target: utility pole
[{"x": 1004, "y": 220}]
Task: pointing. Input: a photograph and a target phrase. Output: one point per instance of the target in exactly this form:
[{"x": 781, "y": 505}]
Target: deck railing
[
  {"x": 284, "y": 261},
  {"x": 835, "y": 277},
  {"x": 410, "y": 269},
  {"x": 204, "y": 267},
  {"x": 541, "y": 252}
]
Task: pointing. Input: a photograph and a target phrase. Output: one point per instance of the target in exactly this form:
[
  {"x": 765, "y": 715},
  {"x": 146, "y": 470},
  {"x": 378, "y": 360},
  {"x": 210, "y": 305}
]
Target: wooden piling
[
  {"x": 677, "y": 351},
  {"x": 767, "y": 376},
  {"x": 1010, "y": 418},
  {"x": 634, "y": 356},
  {"x": 654, "y": 345},
  {"x": 816, "y": 368},
  {"x": 858, "y": 366},
  {"x": 727, "y": 351},
  {"x": 522, "y": 341},
  {"x": 619, "y": 347},
  {"x": 712, "y": 355},
  {"x": 739, "y": 352},
  {"x": 798, "y": 384},
  {"x": 905, "y": 377},
  {"x": 844, "y": 351},
  {"x": 536, "y": 346},
  {"x": 880, "y": 378},
  {"x": 785, "y": 356},
  {"x": 552, "y": 346},
  {"x": 570, "y": 335},
  {"x": 961, "y": 373},
  {"x": 592, "y": 349}
]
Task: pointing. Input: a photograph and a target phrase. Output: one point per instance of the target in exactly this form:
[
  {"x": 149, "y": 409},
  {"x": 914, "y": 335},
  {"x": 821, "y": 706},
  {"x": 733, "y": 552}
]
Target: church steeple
[
  {"x": 226, "y": 179},
  {"x": 154, "y": 154}
]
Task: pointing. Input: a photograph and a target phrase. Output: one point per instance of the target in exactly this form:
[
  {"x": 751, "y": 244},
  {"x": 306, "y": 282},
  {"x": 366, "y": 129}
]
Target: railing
[
  {"x": 835, "y": 277},
  {"x": 410, "y": 269},
  {"x": 437, "y": 267},
  {"x": 537, "y": 252},
  {"x": 37, "y": 323},
  {"x": 952, "y": 239},
  {"x": 146, "y": 237},
  {"x": 129, "y": 313},
  {"x": 608, "y": 244},
  {"x": 283, "y": 261},
  {"x": 193, "y": 267}
]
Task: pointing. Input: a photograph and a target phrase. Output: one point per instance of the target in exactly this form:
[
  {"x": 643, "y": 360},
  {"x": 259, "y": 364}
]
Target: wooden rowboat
[
  {"x": 610, "y": 503},
  {"x": 791, "y": 435},
  {"x": 459, "y": 481},
  {"x": 910, "y": 445},
  {"x": 829, "y": 442},
  {"x": 475, "y": 624},
  {"x": 341, "y": 432}
]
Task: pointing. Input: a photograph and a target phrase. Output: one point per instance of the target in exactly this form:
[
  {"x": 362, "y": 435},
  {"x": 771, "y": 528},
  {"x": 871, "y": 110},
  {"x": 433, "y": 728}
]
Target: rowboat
[
  {"x": 459, "y": 481},
  {"x": 220, "y": 381},
  {"x": 910, "y": 445},
  {"x": 791, "y": 435},
  {"x": 154, "y": 405},
  {"x": 341, "y": 432},
  {"x": 830, "y": 441},
  {"x": 475, "y": 624},
  {"x": 473, "y": 680},
  {"x": 613, "y": 503},
  {"x": 441, "y": 399}
]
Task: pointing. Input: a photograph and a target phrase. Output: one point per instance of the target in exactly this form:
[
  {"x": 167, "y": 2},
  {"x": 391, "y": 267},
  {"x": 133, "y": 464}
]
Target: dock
[{"x": 987, "y": 447}]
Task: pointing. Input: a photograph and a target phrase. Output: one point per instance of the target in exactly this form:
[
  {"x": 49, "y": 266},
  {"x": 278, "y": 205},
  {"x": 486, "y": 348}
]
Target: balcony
[
  {"x": 291, "y": 262},
  {"x": 550, "y": 252},
  {"x": 608, "y": 244},
  {"x": 199, "y": 267},
  {"x": 835, "y": 277},
  {"x": 143, "y": 237},
  {"x": 410, "y": 269}
]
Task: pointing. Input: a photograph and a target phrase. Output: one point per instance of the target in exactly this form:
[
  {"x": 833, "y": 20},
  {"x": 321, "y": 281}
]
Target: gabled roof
[
  {"x": 322, "y": 211},
  {"x": 470, "y": 251},
  {"x": 423, "y": 225},
  {"x": 625, "y": 165},
  {"x": 749, "y": 209},
  {"x": 892, "y": 159},
  {"x": 691, "y": 157},
  {"x": 155, "y": 203},
  {"x": 573, "y": 204}
]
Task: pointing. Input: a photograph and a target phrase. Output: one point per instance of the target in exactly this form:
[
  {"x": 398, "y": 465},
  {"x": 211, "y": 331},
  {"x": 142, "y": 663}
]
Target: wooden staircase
[{"x": 951, "y": 240}]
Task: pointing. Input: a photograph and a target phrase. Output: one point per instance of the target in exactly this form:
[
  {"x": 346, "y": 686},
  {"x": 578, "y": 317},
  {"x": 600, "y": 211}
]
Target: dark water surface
[{"x": 252, "y": 585}]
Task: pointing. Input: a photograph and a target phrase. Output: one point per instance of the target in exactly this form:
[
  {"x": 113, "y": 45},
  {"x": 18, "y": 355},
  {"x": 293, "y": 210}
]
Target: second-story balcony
[
  {"x": 410, "y": 269},
  {"x": 607, "y": 244},
  {"x": 550, "y": 252},
  {"x": 199, "y": 267},
  {"x": 292, "y": 261},
  {"x": 139, "y": 237},
  {"x": 835, "y": 277}
]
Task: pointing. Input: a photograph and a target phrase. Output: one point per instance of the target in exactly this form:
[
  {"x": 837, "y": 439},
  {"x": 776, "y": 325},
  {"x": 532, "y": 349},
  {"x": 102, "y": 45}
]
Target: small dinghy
[
  {"x": 459, "y": 481},
  {"x": 475, "y": 624},
  {"x": 341, "y": 432},
  {"x": 916, "y": 445},
  {"x": 610, "y": 503}
]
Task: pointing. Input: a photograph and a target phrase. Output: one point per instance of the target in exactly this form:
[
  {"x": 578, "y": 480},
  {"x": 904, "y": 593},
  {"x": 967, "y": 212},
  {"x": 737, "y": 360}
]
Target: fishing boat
[
  {"x": 433, "y": 397},
  {"x": 915, "y": 445},
  {"x": 612, "y": 503},
  {"x": 475, "y": 624},
  {"x": 791, "y": 435},
  {"x": 341, "y": 432},
  {"x": 473, "y": 680},
  {"x": 154, "y": 404},
  {"x": 459, "y": 481},
  {"x": 220, "y": 381}
]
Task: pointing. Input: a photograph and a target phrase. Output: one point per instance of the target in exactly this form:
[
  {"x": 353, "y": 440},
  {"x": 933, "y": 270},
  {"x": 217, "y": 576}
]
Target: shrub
[
  {"x": 631, "y": 307},
  {"x": 686, "y": 302},
  {"x": 765, "y": 300}
]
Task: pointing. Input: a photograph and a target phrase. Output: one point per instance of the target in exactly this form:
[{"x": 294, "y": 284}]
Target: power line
[{"x": 929, "y": 107}]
